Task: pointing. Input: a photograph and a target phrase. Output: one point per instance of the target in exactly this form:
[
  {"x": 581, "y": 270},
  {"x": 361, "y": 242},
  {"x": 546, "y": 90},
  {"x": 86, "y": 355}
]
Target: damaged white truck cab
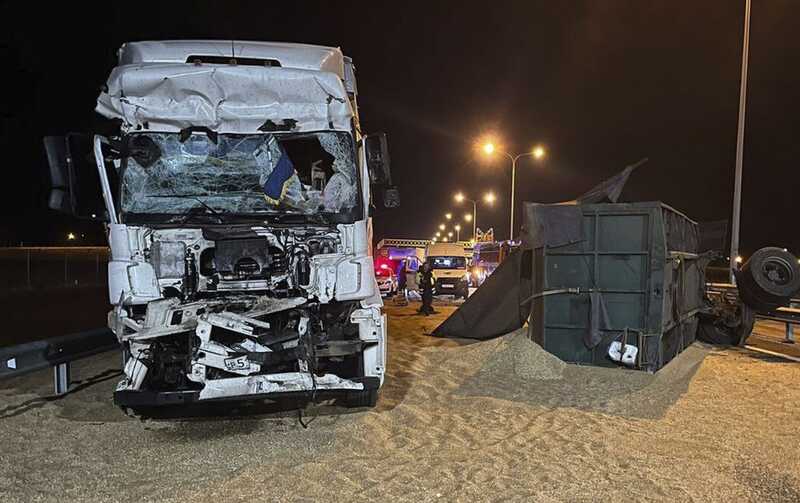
[{"x": 236, "y": 187}]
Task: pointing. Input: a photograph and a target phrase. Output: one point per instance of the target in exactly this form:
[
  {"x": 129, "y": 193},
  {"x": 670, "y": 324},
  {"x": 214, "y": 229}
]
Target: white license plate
[{"x": 445, "y": 285}]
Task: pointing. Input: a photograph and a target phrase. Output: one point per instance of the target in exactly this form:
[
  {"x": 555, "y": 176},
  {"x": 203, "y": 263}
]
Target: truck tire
[
  {"x": 768, "y": 279},
  {"x": 358, "y": 399}
]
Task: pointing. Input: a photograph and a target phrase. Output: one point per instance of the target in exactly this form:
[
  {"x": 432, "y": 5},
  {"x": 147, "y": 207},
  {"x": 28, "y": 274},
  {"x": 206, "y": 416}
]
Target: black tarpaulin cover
[
  {"x": 609, "y": 190},
  {"x": 552, "y": 224},
  {"x": 494, "y": 309}
]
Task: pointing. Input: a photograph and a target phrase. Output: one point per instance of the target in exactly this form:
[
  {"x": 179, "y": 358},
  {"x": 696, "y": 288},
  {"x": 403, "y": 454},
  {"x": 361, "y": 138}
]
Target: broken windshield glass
[{"x": 240, "y": 174}]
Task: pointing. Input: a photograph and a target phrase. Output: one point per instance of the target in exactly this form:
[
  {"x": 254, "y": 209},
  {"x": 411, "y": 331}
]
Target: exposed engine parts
[
  {"x": 245, "y": 311},
  {"x": 191, "y": 262}
]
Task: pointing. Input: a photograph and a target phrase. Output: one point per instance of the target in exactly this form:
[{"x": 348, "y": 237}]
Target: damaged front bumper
[
  {"x": 273, "y": 349},
  {"x": 266, "y": 387}
]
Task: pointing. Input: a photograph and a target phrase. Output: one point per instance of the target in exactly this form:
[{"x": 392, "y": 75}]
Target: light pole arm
[{"x": 514, "y": 160}]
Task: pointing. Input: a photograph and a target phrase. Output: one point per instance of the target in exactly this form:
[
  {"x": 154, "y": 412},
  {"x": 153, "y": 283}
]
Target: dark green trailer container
[{"x": 624, "y": 272}]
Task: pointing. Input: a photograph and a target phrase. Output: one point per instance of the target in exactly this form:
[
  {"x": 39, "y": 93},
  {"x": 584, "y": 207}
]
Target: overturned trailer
[
  {"x": 235, "y": 184},
  {"x": 602, "y": 283},
  {"x": 599, "y": 284},
  {"x": 614, "y": 283}
]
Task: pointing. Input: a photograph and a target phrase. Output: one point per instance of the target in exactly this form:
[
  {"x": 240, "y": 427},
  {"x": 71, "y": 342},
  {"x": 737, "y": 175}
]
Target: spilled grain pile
[{"x": 515, "y": 368}]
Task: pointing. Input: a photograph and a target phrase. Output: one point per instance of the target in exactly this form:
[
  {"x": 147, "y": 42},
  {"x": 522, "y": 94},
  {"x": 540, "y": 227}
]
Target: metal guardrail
[{"x": 57, "y": 352}]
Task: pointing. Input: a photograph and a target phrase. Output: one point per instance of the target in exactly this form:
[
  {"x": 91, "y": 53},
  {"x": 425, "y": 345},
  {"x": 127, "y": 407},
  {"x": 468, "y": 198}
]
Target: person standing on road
[
  {"x": 401, "y": 278},
  {"x": 426, "y": 285}
]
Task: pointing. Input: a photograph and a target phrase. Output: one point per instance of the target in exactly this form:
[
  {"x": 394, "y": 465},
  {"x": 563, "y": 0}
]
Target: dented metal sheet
[
  {"x": 287, "y": 55},
  {"x": 169, "y": 97},
  {"x": 274, "y": 383}
]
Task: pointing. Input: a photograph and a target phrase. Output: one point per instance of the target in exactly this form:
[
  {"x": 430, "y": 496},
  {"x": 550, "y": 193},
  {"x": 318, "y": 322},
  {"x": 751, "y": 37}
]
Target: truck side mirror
[
  {"x": 74, "y": 180},
  {"x": 379, "y": 168}
]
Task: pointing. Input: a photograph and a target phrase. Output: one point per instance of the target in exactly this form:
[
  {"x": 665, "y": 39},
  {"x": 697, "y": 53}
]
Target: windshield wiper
[
  {"x": 193, "y": 210},
  {"x": 216, "y": 213}
]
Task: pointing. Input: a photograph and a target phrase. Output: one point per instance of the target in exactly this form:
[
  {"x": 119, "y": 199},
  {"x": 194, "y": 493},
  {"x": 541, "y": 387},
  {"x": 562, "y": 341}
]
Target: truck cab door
[
  {"x": 379, "y": 169},
  {"x": 75, "y": 186}
]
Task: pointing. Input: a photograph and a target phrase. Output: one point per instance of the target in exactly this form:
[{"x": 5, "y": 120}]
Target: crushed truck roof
[
  {"x": 155, "y": 89},
  {"x": 288, "y": 55}
]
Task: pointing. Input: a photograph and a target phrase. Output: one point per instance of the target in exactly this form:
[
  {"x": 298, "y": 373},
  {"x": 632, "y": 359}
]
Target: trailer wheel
[{"x": 769, "y": 278}]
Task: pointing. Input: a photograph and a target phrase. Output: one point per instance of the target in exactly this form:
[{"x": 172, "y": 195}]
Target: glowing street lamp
[
  {"x": 438, "y": 234},
  {"x": 448, "y": 216},
  {"x": 444, "y": 239},
  {"x": 71, "y": 236},
  {"x": 441, "y": 227},
  {"x": 457, "y": 228},
  {"x": 538, "y": 152},
  {"x": 460, "y": 198}
]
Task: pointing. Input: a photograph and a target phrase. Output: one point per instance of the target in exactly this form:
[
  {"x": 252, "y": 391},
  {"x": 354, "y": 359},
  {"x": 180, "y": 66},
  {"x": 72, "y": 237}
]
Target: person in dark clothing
[
  {"x": 426, "y": 286},
  {"x": 401, "y": 278}
]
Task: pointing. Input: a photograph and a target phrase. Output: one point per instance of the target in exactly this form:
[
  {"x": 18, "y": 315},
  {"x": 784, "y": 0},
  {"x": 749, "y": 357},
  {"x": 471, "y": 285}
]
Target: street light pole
[
  {"x": 537, "y": 152},
  {"x": 474, "y": 220},
  {"x": 514, "y": 160},
  {"x": 737, "y": 180},
  {"x": 513, "y": 178},
  {"x": 460, "y": 198}
]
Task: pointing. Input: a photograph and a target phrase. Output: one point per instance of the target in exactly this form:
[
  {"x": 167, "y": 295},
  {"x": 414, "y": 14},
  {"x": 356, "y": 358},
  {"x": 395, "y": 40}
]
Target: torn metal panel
[
  {"x": 274, "y": 383},
  {"x": 237, "y": 323},
  {"x": 170, "y": 97},
  {"x": 267, "y": 305}
]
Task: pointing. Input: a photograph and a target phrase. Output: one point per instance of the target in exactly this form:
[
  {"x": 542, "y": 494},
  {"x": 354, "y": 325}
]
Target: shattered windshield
[{"x": 174, "y": 173}]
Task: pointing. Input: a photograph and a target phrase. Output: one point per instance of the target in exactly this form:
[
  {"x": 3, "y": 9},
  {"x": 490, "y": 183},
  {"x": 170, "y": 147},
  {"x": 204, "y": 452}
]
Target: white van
[{"x": 450, "y": 271}]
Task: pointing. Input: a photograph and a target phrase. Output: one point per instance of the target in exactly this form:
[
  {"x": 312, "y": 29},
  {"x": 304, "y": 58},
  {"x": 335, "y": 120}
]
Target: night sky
[{"x": 600, "y": 83}]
